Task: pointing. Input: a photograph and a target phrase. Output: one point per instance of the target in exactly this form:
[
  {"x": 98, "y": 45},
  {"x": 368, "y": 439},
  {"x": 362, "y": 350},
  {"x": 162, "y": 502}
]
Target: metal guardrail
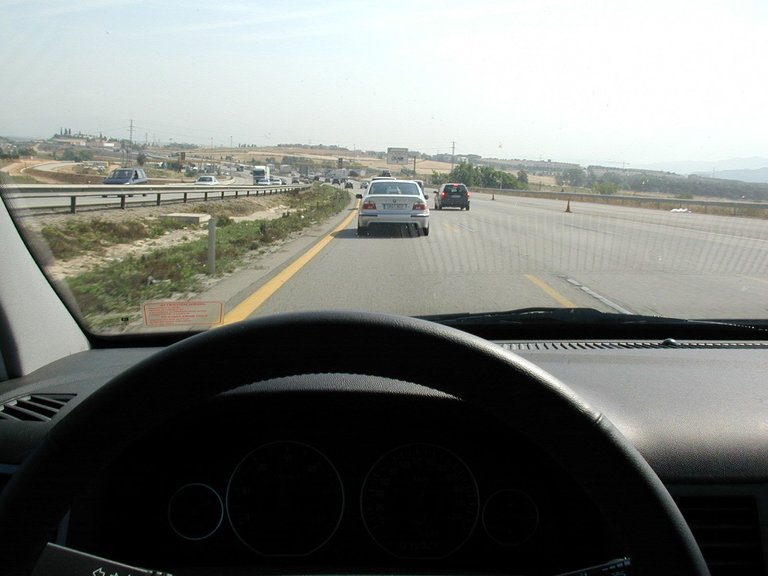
[{"x": 103, "y": 196}]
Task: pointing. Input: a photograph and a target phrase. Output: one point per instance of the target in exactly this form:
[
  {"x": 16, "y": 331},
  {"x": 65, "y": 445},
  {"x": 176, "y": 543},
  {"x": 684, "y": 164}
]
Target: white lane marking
[{"x": 600, "y": 297}]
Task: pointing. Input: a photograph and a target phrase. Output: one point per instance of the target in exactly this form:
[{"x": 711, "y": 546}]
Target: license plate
[{"x": 395, "y": 206}]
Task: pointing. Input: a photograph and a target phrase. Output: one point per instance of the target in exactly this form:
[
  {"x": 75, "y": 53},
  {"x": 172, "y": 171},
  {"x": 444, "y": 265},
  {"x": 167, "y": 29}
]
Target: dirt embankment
[
  {"x": 31, "y": 169},
  {"x": 265, "y": 208},
  {"x": 65, "y": 173},
  {"x": 423, "y": 167},
  {"x": 15, "y": 168},
  {"x": 21, "y": 168},
  {"x": 59, "y": 177}
]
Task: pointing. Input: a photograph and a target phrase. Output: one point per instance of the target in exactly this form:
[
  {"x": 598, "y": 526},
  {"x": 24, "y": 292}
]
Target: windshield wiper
[{"x": 592, "y": 319}]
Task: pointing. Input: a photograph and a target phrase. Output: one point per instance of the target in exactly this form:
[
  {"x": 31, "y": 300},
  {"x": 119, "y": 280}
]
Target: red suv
[{"x": 452, "y": 195}]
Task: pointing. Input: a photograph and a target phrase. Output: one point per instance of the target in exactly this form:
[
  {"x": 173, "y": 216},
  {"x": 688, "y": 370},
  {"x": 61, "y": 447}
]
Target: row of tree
[
  {"x": 77, "y": 154},
  {"x": 482, "y": 177},
  {"x": 608, "y": 181},
  {"x": 15, "y": 153}
]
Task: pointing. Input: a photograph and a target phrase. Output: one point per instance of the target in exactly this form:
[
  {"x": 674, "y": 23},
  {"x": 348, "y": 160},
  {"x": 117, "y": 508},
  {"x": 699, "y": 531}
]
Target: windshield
[{"x": 614, "y": 153}]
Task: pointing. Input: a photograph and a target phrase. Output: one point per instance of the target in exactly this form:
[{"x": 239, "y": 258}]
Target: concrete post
[{"x": 212, "y": 246}]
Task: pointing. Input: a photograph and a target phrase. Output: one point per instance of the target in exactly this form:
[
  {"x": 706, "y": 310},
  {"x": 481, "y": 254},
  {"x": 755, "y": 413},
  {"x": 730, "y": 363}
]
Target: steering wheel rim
[{"x": 186, "y": 374}]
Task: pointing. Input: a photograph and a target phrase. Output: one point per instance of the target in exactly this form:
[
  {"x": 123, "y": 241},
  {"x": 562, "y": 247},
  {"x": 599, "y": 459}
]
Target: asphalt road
[{"x": 511, "y": 252}]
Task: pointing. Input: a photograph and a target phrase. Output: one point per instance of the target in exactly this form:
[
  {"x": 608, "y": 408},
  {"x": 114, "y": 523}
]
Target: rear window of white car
[{"x": 388, "y": 187}]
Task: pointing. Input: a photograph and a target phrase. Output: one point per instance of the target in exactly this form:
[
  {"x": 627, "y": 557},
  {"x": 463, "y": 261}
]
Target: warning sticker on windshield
[{"x": 183, "y": 313}]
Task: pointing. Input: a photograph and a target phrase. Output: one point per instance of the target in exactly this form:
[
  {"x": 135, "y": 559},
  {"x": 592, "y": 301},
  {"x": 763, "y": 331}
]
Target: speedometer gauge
[
  {"x": 420, "y": 501},
  {"x": 285, "y": 499}
]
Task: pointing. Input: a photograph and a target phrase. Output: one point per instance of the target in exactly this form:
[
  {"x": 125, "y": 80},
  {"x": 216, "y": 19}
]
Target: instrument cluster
[{"x": 355, "y": 480}]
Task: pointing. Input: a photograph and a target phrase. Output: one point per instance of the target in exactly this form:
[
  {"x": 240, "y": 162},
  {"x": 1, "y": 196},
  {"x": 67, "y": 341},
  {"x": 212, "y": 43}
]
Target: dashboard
[
  {"x": 288, "y": 474},
  {"x": 341, "y": 473}
]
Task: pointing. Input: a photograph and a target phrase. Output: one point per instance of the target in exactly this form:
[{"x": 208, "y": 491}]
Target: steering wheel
[{"x": 612, "y": 472}]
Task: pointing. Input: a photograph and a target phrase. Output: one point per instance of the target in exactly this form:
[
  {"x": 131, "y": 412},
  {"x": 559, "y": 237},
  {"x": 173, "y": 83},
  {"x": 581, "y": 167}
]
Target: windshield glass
[{"x": 614, "y": 153}]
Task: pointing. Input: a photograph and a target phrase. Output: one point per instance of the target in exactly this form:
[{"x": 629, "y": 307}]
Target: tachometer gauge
[
  {"x": 420, "y": 501},
  {"x": 285, "y": 499}
]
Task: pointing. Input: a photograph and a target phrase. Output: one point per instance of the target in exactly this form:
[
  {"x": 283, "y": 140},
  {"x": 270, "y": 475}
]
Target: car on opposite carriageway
[
  {"x": 126, "y": 176},
  {"x": 207, "y": 180}
]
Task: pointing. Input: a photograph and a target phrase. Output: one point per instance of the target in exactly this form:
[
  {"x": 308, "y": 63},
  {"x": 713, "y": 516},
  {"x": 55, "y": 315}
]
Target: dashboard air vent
[
  {"x": 727, "y": 530},
  {"x": 34, "y": 407}
]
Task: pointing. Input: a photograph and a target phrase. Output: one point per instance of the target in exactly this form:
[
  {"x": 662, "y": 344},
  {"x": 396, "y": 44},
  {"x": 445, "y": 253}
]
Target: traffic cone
[{"x": 568, "y": 206}]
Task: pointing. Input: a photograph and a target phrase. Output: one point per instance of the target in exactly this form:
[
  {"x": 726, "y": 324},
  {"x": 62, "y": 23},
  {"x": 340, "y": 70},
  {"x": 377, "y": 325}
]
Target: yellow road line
[
  {"x": 551, "y": 292},
  {"x": 250, "y": 304}
]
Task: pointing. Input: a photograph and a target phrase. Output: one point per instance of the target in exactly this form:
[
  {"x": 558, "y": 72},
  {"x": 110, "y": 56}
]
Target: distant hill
[
  {"x": 753, "y": 175},
  {"x": 706, "y": 168}
]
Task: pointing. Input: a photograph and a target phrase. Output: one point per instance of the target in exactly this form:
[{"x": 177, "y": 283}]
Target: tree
[
  {"x": 522, "y": 177},
  {"x": 483, "y": 176},
  {"x": 613, "y": 178},
  {"x": 605, "y": 187},
  {"x": 75, "y": 155},
  {"x": 141, "y": 158},
  {"x": 572, "y": 177},
  {"x": 437, "y": 178},
  {"x": 487, "y": 177},
  {"x": 463, "y": 172},
  {"x": 510, "y": 182}
]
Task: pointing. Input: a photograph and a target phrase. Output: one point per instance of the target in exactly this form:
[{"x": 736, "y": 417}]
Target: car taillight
[
  {"x": 442, "y": 194},
  {"x": 419, "y": 206},
  {"x": 467, "y": 194},
  {"x": 369, "y": 205}
]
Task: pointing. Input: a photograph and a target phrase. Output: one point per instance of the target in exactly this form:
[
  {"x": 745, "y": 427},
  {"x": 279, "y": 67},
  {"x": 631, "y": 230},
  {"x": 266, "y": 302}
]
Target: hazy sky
[{"x": 592, "y": 82}]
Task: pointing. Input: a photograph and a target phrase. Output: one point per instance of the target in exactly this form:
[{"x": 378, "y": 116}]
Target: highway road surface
[{"x": 512, "y": 252}]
